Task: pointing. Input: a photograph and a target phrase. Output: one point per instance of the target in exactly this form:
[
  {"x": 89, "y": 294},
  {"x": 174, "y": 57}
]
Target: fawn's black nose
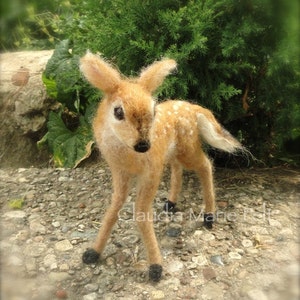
[{"x": 142, "y": 146}]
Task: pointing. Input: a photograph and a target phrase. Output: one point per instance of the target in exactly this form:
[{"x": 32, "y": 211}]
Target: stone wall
[{"x": 24, "y": 107}]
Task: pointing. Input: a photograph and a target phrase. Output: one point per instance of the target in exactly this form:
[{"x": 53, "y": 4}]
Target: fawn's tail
[{"x": 215, "y": 135}]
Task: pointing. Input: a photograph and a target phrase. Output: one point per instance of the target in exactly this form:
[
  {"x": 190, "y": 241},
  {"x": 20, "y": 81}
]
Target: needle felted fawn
[{"x": 137, "y": 137}]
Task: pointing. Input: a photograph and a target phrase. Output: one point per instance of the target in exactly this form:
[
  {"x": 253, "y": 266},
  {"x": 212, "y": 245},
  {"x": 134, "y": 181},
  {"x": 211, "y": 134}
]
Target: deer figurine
[{"x": 138, "y": 137}]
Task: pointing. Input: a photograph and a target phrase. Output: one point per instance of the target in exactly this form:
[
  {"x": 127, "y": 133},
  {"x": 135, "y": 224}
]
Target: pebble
[
  {"x": 173, "y": 232},
  {"x": 200, "y": 260},
  {"x": 56, "y": 224},
  {"x": 15, "y": 214},
  {"x": 43, "y": 246},
  {"x": 247, "y": 243},
  {"x": 217, "y": 259},
  {"x": 92, "y": 296},
  {"x": 257, "y": 294},
  {"x": 174, "y": 266},
  {"x": 275, "y": 223},
  {"x": 63, "y": 245},
  {"x": 58, "y": 276},
  {"x": 36, "y": 227},
  {"x": 209, "y": 273},
  {"x": 61, "y": 294},
  {"x": 234, "y": 255},
  {"x": 91, "y": 287},
  {"x": 157, "y": 294}
]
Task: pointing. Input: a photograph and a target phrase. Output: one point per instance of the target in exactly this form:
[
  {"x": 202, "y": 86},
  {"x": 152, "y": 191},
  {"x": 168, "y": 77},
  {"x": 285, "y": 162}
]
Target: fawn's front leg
[
  {"x": 121, "y": 185},
  {"x": 147, "y": 188}
]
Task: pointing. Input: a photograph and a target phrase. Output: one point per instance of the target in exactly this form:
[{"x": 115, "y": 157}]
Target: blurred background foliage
[{"x": 240, "y": 58}]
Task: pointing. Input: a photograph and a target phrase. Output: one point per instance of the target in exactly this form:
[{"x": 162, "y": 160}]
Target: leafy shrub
[
  {"x": 238, "y": 58},
  {"x": 69, "y": 135}
]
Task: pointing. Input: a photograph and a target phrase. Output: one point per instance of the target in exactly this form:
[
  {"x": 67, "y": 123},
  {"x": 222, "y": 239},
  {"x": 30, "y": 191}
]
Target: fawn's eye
[{"x": 119, "y": 113}]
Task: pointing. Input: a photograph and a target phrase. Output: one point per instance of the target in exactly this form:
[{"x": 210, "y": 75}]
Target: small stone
[
  {"x": 58, "y": 276},
  {"x": 247, "y": 243},
  {"x": 217, "y": 259},
  {"x": 15, "y": 214},
  {"x": 61, "y": 294},
  {"x": 49, "y": 260},
  {"x": 207, "y": 237},
  {"x": 200, "y": 260},
  {"x": 157, "y": 294},
  {"x": 275, "y": 223},
  {"x": 234, "y": 255},
  {"x": 92, "y": 296},
  {"x": 91, "y": 287},
  {"x": 222, "y": 204},
  {"x": 64, "y": 179},
  {"x": 174, "y": 266},
  {"x": 173, "y": 232},
  {"x": 82, "y": 205},
  {"x": 257, "y": 294},
  {"x": 209, "y": 273},
  {"x": 56, "y": 224},
  {"x": 36, "y": 227},
  {"x": 63, "y": 245},
  {"x": 64, "y": 267}
]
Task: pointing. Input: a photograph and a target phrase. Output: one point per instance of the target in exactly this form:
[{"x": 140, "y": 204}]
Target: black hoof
[
  {"x": 155, "y": 272},
  {"x": 170, "y": 207},
  {"x": 208, "y": 220},
  {"x": 90, "y": 256}
]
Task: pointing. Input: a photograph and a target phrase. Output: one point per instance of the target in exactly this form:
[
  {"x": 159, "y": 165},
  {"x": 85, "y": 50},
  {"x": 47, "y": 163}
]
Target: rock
[
  {"x": 247, "y": 243},
  {"x": 157, "y": 294},
  {"x": 50, "y": 261},
  {"x": 174, "y": 266},
  {"x": 257, "y": 294},
  {"x": 24, "y": 107},
  {"x": 36, "y": 227},
  {"x": 207, "y": 237},
  {"x": 56, "y": 224},
  {"x": 173, "y": 231},
  {"x": 63, "y": 245},
  {"x": 92, "y": 296},
  {"x": 209, "y": 273},
  {"x": 234, "y": 255},
  {"x": 58, "y": 276},
  {"x": 217, "y": 259},
  {"x": 91, "y": 287},
  {"x": 61, "y": 294},
  {"x": 212, "y": 291},
  {"x": 15, "y": 214},
  {"x": 275, "y": 223},
  {"x": 200, "y": 260}
]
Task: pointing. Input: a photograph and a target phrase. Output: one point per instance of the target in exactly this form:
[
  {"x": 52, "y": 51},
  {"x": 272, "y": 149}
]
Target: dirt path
[{"x": 252, "y": 252}]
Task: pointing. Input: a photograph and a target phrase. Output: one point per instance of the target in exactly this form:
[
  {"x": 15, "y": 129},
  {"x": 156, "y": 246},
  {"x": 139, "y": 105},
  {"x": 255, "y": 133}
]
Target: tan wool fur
[{"x": 138, "y": 137}]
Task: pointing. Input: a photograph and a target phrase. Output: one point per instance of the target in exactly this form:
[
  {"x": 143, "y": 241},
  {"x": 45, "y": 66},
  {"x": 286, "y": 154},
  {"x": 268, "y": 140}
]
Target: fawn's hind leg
[
  {"x": 146, "y": 190},
  {"x": 205, "y": 173},
  {"x": 176, "y": 183},
  {"x": 197, "y": 161},
  {"x": 121, "y": 185}
]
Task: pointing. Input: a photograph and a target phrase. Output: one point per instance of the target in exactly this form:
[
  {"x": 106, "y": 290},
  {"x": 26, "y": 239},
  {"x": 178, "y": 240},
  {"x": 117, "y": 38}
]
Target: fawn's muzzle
[{"x": 142, "y": 146}]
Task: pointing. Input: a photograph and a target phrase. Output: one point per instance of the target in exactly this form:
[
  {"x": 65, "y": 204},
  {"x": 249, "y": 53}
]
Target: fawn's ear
[
  {"x": 153, "y": 76},
  {"x": 99, "y": 73}
]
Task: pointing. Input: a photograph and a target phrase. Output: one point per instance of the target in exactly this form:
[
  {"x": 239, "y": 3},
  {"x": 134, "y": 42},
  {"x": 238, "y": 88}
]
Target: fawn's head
[{"x": 130, "y": 102}]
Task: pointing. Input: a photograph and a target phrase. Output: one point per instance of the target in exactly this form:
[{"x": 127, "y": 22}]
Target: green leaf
[
  {"x": 50, "y": 85},
  {"x": 62, "y": 75},
  {"x": 69, "y": 148}
]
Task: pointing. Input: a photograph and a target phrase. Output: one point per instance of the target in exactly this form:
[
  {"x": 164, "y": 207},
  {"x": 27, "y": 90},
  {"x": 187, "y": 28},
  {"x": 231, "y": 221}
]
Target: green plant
[
  {"x": 69, "y": 135},
  {"x": 238, "y": 58}
]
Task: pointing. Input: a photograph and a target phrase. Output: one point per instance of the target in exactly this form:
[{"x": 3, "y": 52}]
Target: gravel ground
[{"x": 251, "y": 253}]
